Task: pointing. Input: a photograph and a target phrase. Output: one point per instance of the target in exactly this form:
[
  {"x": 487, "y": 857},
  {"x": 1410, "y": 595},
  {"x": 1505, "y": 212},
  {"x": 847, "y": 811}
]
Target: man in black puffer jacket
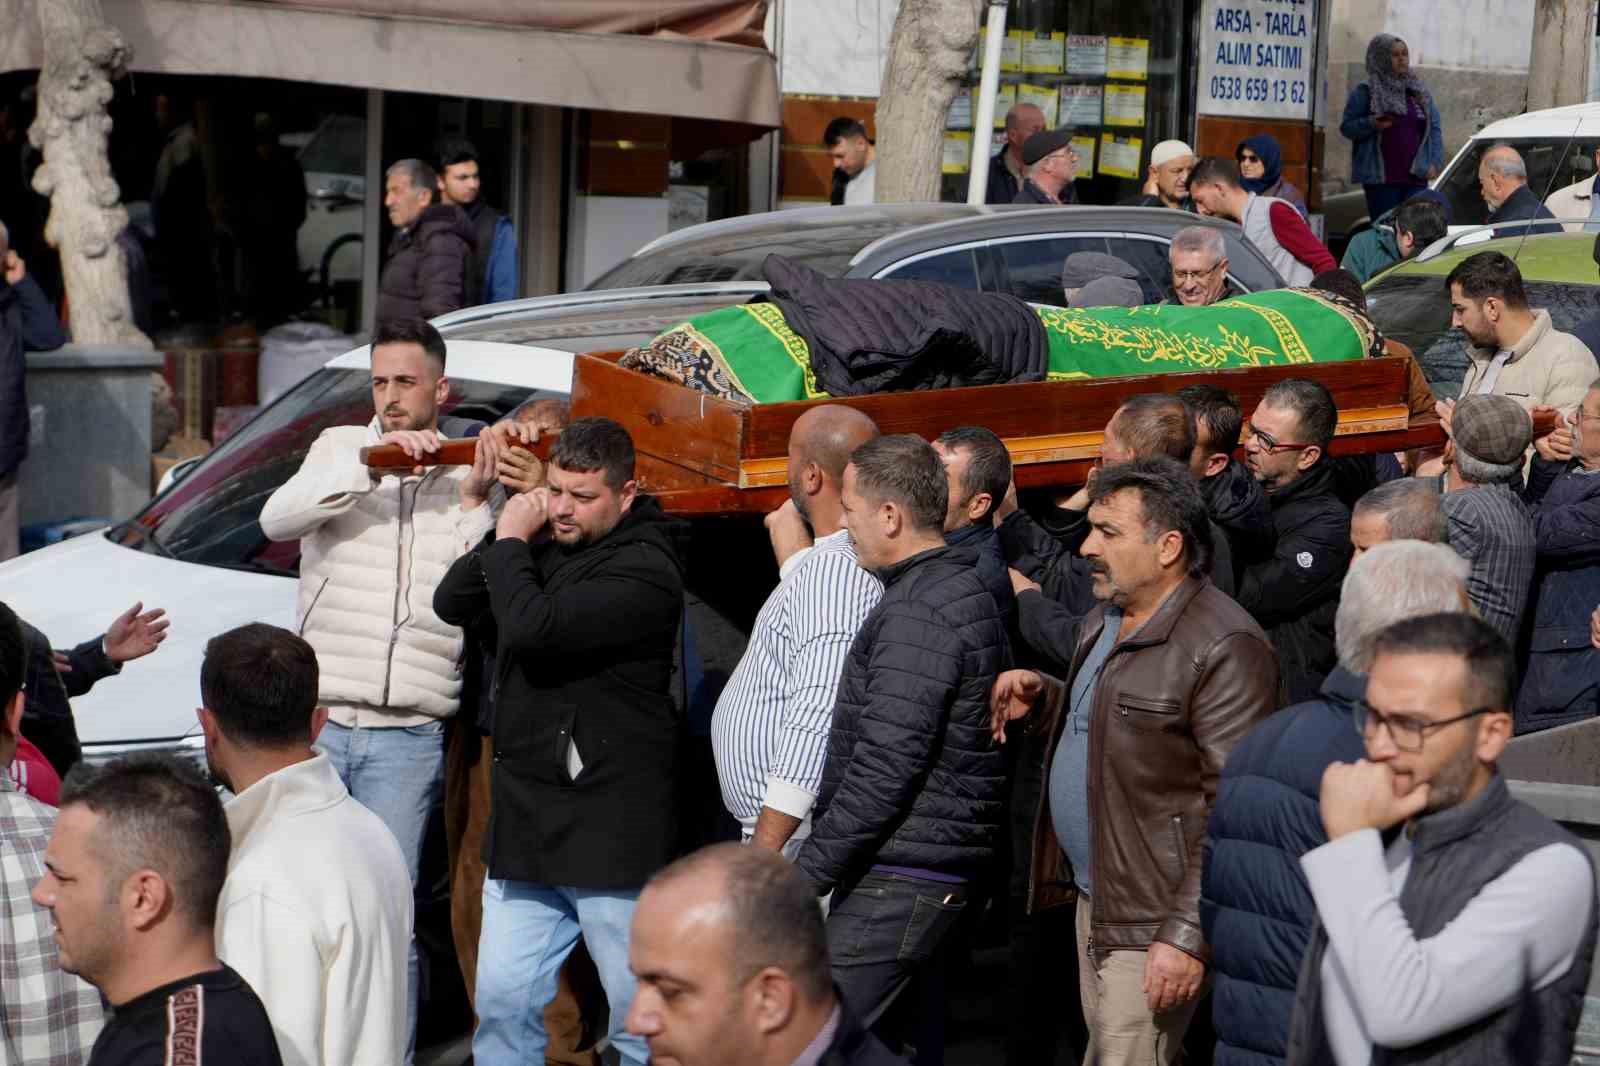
[
  {"x": 1294, "y": 592},
  {"x": 913, "y": 790},
  {"x": 429, "y": 262}
]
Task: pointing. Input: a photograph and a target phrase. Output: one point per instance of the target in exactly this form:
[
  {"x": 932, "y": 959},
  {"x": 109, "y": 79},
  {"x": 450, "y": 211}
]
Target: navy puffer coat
[{"x": 1255, "y": 907}]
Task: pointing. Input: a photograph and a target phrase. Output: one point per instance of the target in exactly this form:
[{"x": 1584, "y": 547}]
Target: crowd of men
[{"x": 1170, "y": 723}]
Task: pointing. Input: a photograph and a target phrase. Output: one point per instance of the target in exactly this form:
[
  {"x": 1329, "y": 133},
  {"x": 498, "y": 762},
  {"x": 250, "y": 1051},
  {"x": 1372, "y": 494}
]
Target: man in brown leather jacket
[{"x": 1161, "y": 681}]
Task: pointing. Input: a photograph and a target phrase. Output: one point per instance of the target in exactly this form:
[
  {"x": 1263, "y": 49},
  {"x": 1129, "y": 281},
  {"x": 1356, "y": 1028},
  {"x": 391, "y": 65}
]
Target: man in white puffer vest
[{"x": 372, "y": 549}]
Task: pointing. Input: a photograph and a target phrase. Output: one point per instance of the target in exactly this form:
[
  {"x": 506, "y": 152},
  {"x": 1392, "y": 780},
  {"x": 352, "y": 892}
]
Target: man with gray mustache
[{"x": 1156, "y": 685}]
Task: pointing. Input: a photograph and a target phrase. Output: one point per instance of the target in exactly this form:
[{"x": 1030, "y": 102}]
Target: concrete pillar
[{"x": 89, "y": 441}]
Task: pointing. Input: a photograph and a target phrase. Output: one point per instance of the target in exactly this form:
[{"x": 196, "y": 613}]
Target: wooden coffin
[{"x": 706, "y": 456}]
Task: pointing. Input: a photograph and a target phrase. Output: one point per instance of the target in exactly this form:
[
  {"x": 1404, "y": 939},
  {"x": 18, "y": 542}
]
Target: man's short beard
[{"x": 1450, "y": 784}]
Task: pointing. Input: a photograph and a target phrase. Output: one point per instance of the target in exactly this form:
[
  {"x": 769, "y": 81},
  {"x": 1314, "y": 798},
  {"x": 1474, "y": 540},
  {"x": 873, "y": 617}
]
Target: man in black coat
[
  {"x": 740, "y": 928},
  {"x": 428, "y": 269},
  {"x": 1234, "y": 498},
  {"x": 1294, "y": 592},
  {"x": 27, "y": 324},
  {"x": 1503, "y": 181},
  {"x": 913, "y": 790},
  {"x": 586, "y": 589},
  {"x": 1052, "y": 168},
  {"x": 978, "y": 469}
]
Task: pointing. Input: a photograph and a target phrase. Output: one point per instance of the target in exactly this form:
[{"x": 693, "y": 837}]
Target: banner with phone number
[{"x": 1257, "y": 58}]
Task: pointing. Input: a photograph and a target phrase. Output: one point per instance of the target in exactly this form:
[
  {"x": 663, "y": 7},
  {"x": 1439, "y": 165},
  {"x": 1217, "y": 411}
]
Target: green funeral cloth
[{"x": 748, "y": 352}]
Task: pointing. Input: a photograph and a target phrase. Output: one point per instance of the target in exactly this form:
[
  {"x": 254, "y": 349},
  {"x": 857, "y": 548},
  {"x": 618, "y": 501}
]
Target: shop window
[{"x": 1114, "y": 70}]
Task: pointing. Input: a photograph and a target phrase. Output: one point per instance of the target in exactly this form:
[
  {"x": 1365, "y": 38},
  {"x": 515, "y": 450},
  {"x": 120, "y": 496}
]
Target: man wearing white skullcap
[{"x": 1167, "y": 182}]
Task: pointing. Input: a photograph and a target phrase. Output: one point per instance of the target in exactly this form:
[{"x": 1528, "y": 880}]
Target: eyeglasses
[
  {"x": 1266, "y": 443},
  {"x": 1407, "y": 731},
  {"x": 1183, "y": 277},
  {"x": 1247, "y": 157}
]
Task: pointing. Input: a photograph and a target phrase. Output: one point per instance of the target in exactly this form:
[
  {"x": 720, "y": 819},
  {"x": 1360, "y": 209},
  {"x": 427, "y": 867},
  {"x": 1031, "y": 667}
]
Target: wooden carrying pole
[{"x": 457, "y": 452}]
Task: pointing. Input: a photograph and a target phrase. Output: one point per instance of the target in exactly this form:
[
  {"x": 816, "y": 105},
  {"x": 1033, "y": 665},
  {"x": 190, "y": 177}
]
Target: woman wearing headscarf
[
  {"x": 1261, "y": 170},
  {"x": 1393, "y": 127}
]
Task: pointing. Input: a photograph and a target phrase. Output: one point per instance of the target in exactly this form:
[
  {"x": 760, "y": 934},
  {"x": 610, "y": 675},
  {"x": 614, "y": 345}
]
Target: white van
[{"x": 1557, "y": 144}]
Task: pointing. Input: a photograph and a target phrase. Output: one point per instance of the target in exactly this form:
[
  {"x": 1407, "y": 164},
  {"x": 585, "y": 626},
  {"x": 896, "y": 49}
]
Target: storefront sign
[
  {"x": 1043, "y": 52},
  {"x": 1084, "y": 146},
  {"x": 1256, "y": 58},
  {"x": 1128, "y": 57},
  {"x": 1086, "y": 56},
  {"x": 957, "y": 152},
  {"x": 1043, "y": 97},
  {"x": 1080, "y": 105},
  {"x": 1119, "y": 156},
  {"x": 1125, "y": 105}
]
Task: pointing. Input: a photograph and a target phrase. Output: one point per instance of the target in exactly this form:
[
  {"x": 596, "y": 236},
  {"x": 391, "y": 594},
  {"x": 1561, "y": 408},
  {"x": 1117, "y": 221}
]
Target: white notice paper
[
  {"x": 1086, "y": 56},
  {"x": 1080, "y": 105}
]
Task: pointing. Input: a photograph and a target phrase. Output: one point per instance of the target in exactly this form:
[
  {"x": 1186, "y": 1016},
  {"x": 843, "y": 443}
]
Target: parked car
[
  {"x": 1556, "y": 144},
  {"x": 1410, "y": 304},
  {"x": 1014, "y": 249}
]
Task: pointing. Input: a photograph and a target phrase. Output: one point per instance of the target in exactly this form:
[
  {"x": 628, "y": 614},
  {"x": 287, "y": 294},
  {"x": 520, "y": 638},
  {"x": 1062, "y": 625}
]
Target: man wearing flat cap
[
  {"x": 1488, "y": 524},
  {"x": 1083, "y": 267},
  {"x": 1052, "y": 168}
]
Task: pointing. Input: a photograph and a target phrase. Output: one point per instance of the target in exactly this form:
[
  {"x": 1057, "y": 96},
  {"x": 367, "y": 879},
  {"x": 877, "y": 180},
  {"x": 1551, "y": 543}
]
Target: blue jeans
[
  {"x": 398, "y": 774},
  {"x": 528, "y": 930}
]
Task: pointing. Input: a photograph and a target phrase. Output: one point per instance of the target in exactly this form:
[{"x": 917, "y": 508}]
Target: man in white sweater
[
  {"x": 316, "y": 912},
  {"x": 372, "y": 551}
]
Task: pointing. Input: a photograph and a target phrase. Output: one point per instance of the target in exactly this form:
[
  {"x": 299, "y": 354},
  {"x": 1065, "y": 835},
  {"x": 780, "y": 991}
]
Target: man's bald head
[
  {"x": 827, "y": 435},
  {"x": 762, "y": 909},
  {"x": 820, "y": 444}
]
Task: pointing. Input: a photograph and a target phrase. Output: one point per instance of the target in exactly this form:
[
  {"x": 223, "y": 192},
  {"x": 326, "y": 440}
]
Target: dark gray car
[{"x": 1016, "y": 249}]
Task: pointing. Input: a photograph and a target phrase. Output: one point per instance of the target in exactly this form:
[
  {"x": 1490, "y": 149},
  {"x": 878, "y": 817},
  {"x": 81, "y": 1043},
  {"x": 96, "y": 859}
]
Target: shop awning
[{"x": 699, "y": 59}]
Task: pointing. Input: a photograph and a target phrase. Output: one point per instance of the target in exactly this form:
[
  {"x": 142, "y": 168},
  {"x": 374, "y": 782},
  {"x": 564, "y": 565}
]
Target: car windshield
[
  {"x": 1553, "y": 163},
  {"x": 1414, "y": 310},
  {"x": 212, "y": 515}
]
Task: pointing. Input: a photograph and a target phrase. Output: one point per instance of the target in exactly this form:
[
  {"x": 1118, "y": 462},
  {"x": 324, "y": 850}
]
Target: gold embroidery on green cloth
[
  {"x": 1152, "y": 344},
  {"x": 794, "y": 345},
  {"x": 1294, "y": 345},
  {"x": 711, "y": 349}
]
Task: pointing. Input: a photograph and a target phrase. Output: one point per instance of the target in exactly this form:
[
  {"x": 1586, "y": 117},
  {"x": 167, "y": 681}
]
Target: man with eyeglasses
[
  {"x": 1467, "y": 937},
  {"x": 1293, "y": 593},
  {"x": 1199, "y": 261},
  {"x": 1052, "y": 168},
  {"x": 1254, "y": 906},
  {"x": 1562, "y": 681}
]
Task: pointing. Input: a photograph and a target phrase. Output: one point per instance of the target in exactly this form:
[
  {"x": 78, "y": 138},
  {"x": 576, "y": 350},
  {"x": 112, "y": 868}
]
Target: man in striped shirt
[{"x": 770, "y": 728}]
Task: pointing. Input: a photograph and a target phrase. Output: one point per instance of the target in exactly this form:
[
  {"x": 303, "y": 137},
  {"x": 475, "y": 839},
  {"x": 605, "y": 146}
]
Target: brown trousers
[{"x": 469, "y": 756}]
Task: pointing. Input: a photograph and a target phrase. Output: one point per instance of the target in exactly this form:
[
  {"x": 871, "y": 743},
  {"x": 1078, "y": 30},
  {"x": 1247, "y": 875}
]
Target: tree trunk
[
  {"x": 1558, "y": 69},
  {"x": 83, "y": 54},
  {"x": 929, "y": 52}
]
